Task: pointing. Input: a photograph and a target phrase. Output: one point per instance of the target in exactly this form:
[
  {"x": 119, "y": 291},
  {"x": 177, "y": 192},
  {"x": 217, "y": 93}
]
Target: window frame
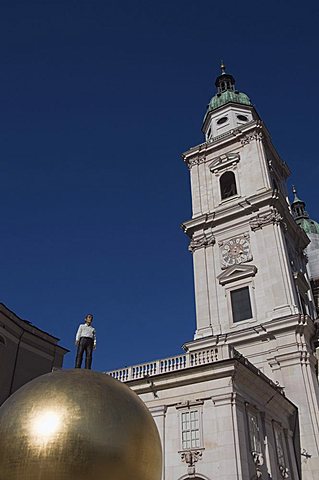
[
  {"x": 236, "y": 286},
  {"x": 220, "y": 186},
  {"x": 254, "y": 413},
  {"x": 283, "y": 465},
  {"x": 247, "y": 305},
  {"x": 191, "y": 408}
]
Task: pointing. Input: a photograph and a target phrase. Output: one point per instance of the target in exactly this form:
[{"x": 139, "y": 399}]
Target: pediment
[
  {"x": 237, "y": 272},
  {"x": 224, "y": 161}
]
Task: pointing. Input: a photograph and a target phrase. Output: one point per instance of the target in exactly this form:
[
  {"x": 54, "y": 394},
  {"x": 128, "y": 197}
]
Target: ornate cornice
[
  {"x": 204, "y": 240},
  {"x": 245, "y": 134}
]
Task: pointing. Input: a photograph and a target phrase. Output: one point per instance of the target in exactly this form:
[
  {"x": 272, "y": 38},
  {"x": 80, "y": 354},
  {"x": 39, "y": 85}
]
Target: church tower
[
  {"x": 218, "y": 415},
  {"x": 252, "y": 289}
]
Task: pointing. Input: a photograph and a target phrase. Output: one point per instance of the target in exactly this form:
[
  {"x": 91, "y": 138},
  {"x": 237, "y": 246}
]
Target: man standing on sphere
[{"x": 85, "y": 341}]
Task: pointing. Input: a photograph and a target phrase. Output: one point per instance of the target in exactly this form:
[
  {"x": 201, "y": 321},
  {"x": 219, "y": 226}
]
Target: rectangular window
[
  {"x": 254, "y": 433},
  {"x": 190, "y": 429},
  {"x": 240, "y": 304},
  {"x": 279, "y": 446}
]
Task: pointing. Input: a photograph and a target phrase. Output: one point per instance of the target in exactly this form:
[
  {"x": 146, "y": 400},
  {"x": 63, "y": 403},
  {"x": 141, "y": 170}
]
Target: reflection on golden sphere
[{"x": 77, "y": 425}]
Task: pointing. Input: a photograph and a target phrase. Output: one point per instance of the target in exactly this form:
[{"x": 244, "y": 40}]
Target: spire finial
[
  {"x": 296, "y": 198},
  {"x": 294, "y": 191},
  {"x": 222, "y": 67}
]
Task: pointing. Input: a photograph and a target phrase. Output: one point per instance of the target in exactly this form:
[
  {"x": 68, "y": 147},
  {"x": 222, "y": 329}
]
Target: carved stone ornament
[
  {"x": 196, "y": 161},
  {"x": 223, "y": 162},
  {"x": 250, "y": 137},
  {"x": 258, "y": 461},
  {"x": 284, "y": 471},
  {"x": 204, "y": 240},
  {"x": 262, "y": 220},
  {"x": 235, "y": 251},
  {"x": 191, "y": 457}
]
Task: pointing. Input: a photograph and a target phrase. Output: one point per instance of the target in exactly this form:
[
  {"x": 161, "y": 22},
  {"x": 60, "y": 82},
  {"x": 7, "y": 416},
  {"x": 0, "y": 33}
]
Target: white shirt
[{"x": 85, "y": 330}]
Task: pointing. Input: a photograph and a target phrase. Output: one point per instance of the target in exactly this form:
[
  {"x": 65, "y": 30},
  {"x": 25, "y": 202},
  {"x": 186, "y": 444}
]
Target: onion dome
[{"x": 226, "y": 92}]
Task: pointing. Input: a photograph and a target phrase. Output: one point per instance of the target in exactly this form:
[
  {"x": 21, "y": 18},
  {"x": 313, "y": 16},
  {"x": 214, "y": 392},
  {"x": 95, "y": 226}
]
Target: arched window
[
  {"x": 228, "y": 185},
  {"x": 197, "y": 477}
]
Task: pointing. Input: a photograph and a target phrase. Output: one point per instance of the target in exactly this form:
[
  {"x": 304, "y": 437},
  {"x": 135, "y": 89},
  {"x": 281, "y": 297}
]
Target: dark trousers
[{"x": 85, "y": 345}]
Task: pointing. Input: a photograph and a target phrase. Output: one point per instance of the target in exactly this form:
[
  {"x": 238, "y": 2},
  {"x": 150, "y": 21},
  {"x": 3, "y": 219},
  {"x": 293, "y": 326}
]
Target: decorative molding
[
  {"x": 250, "y": 137},
  {"x": 261, "y": 220},
  {"x": 189, "y": 404},
  {"x": 204, "y": 240},
  {"x": 231, "y": 133},
  {"x": 191, "y": 457},
  {"x": 224, "y": 162}
]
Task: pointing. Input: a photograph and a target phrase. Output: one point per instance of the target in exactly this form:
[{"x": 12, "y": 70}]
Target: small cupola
[
  {"x": 225, "y": 81},
  {"x": 298, "y": 208}
]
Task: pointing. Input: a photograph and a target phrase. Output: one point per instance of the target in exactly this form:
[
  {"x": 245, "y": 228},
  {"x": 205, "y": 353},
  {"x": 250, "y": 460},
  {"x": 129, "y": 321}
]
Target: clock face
[{"x": 235, "y": 251}]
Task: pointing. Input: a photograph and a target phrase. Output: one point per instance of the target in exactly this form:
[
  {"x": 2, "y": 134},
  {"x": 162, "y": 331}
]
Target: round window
[
  {"x": 242, "y": 118},
  {"x": 222, "y": 120}
]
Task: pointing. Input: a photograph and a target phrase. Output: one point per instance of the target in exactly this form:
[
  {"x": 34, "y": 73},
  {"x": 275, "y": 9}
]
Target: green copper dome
[
  {"x": 308, "y": 225},
  {"x": 228, "y": 96},
  {"x": 226, "y": 92}
]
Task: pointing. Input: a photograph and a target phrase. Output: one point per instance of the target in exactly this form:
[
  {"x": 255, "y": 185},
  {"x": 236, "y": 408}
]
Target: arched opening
[
  {"x": 2, "y": 340},
  {"x": 196, "y": 477},
  {"x": 228, "y": 185}
]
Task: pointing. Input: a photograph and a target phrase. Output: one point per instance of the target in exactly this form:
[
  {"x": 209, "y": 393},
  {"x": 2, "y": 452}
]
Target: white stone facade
[
  {"x": 217, "y": 416},
  {"x": 252, "y": 294}
]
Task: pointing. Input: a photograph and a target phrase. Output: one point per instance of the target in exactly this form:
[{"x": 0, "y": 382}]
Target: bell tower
[
  {"x": 249, "y": 264},
  {"x": 250, "y": 272}
]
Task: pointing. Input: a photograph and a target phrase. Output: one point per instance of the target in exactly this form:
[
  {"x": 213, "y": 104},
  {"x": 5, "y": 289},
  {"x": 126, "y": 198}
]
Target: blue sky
[{"x": 98, "y": 99}]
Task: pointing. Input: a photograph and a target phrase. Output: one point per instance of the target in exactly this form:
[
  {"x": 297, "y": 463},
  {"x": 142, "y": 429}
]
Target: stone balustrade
[{"x": 172, "y": 364}]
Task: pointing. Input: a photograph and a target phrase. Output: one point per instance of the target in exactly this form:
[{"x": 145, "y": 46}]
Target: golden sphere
[{"x": 77, "y": 425}]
